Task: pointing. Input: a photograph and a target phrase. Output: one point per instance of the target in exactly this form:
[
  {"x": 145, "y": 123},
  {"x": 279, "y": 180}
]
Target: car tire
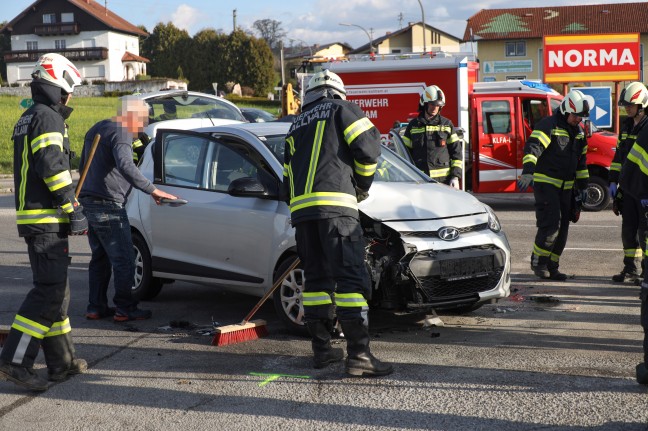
[
  {"x": 598, "y": 194},
  {"x": 145, "y": 286},
  {"x": 288, "y": 301}
]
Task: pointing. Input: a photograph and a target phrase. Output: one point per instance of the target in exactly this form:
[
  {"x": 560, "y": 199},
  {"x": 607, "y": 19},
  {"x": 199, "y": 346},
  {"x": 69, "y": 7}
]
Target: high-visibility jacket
[
  {"x": 634, "y": 174},
  {"x": 556, "y": 153},
  {"x": 434, "y": 146},
  {"x": 42, "y": 178},
  {"x": 331, "y": 148},
  {"x": 627, "y": 139}
]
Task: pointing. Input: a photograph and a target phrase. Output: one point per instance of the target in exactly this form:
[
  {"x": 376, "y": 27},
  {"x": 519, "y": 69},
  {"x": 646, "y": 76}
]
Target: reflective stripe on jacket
[
  {"x": 556, "y": 153},
  {"x": 42, "y": 177},
  {"x": 331, "y": 148},
  {"x": 627, "y": 139}
]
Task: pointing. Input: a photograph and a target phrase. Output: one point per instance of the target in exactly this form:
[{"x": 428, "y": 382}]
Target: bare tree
[{"x": 270, "y": 31}]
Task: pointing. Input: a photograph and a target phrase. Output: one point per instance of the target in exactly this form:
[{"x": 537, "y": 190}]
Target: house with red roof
[
  {"x": 509, "y": 42},
  {"x": 102, "y": 45}
]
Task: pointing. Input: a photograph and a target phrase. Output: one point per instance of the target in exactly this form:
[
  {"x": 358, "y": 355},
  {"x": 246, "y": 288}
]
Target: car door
[
  {"x": 497, "y": 144},
  {"x": 215, "y": 238}
]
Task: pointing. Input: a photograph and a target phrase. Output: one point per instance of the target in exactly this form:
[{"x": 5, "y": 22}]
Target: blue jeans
[{"x": 111, "y": 244}]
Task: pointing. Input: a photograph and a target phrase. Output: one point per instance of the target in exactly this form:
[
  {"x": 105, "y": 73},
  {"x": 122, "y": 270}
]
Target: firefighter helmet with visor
[
  {"x": 634, "y": 93},
  {"x": 58, "y": 71},
  {"x": 326, "y": 79},
  {"x": 433, "y": 95},
  {"x": 575, "y": 103}
]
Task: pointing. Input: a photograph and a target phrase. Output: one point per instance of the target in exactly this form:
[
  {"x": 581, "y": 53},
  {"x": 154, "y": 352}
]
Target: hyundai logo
[{"x": 448, "y": 233}]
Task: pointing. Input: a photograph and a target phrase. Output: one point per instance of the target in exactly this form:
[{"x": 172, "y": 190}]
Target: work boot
[
  {"x": 323, "y": 353},
  {"x": 632, "y": 276},
  {"x": 642, "y": 374},
  {"x": 554, "y": 274},
  {"x": 22, "y": 376},
  {"x": 541, "y": 271},
  {"x": 360, "y": 362},
  {"x": 77, "y": 366},
  {"x": 60, "y": 358}
]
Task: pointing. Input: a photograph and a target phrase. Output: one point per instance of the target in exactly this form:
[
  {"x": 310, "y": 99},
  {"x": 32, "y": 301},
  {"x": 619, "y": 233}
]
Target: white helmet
[
  {"x": 58, "y": 71},
  {"x": 432, "y": 94},
  {"x": 575, "y": 103},
  {"x": 634, "y": 93},
  {"x": 324, "y": 79}
]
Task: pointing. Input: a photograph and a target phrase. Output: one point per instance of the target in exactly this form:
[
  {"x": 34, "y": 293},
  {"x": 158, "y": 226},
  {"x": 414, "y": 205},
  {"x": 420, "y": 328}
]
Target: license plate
[{"x": 460, "y": 269}]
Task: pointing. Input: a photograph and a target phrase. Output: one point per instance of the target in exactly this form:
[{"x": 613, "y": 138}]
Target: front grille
[
  {"x": 467, "y": 276},
  {"x": 435, "y": 234}
]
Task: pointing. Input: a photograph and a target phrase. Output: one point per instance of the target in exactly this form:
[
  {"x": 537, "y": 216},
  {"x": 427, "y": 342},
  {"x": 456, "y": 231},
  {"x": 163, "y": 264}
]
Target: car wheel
[
  {"x": 598, "y": 194},
  {"x": 288, "y": 299},
  {"x": 145, "y": 286}
]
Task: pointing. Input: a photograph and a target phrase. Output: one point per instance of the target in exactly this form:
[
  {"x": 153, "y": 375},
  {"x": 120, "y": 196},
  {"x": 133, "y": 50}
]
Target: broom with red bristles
[{"x": 249, "y": 330}]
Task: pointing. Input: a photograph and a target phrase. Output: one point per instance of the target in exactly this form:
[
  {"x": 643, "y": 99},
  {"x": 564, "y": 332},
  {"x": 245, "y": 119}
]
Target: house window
[
  {"x": 49, "y": 18},
  {"x": 516, "y": 49},
  {"x": 59, "y": 44},
  {"x": 32, "y": 45},
  {"x": 67, "y": 17}
]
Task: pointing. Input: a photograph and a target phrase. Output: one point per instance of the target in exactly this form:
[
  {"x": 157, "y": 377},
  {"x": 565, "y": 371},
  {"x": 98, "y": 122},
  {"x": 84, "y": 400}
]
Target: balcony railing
[
  {"x": 73, "y": 54},
  {"x": 54, "y": 29}
]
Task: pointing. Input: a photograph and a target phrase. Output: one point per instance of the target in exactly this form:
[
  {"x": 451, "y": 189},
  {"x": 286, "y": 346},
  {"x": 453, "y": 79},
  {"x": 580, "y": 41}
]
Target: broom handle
[
  {"x": 271, "y": 291},
  {"x": 95, "y": 143}
]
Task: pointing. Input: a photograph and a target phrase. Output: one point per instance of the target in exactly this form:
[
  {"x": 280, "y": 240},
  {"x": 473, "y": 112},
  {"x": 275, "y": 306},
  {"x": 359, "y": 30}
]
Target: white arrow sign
[{"x": 598, "y": 112}]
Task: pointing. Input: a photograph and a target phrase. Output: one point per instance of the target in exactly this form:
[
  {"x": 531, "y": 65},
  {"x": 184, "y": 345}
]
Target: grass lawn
[{"x": 87, "y": 111}]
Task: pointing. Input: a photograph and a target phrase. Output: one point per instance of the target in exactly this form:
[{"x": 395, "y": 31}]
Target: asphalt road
[{"x": 553, "y": 356}]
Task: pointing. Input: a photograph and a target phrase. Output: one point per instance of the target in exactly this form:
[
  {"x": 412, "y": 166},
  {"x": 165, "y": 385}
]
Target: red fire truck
[{"x": 496, "y": 117}]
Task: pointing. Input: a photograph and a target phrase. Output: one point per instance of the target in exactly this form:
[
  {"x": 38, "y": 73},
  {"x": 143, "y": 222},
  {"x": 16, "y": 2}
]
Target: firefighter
[
  {"x": 435, "y": 147},
  {"x": 554, "y": 163},
  {"x": 47, "y": 212},
  {"x": 331, "y": 157},
  {"x": 634, "y": 98}
]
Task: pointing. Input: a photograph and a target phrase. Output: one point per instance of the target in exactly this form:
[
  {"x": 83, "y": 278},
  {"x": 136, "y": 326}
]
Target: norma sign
[{"x": 592, "y": 57}]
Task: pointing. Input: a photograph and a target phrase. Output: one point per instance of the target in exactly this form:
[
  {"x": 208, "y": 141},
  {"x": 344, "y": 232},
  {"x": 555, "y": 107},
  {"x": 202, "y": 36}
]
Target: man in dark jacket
[
  {"x": 47, "y": 212},
  {"x": 111, "y": 176},
  {"x": 555, "y": 162},
  {"x": 329, "y": 164},
  {"x": 634, "y": 98},
  {"x": 435, "y": 147}
]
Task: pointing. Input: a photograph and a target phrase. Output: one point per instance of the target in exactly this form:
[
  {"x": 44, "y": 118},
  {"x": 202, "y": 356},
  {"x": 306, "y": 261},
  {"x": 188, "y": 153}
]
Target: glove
[
  {"x": 644, "y": 206},
  {"x": 583, "y": 196},
  {"x": 361, "y": 194},
  {"x": 616, "y": 207},
  {"x": 576, "y": 206},
  {"x": 613, "y": 190},
  {"x": 454, "y": 183},
  {"x": 524, "y": 182},
  {"x": 78, "y": 221}
]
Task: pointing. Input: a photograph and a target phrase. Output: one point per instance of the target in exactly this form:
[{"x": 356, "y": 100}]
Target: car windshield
[
  {"x": 390, "y": 167},
  {"x": 181, "y": 106},
  {"x": 257, "y": 115}
]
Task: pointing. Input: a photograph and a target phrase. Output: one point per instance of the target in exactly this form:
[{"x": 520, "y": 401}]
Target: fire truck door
[{"x": 497, "y": 145}]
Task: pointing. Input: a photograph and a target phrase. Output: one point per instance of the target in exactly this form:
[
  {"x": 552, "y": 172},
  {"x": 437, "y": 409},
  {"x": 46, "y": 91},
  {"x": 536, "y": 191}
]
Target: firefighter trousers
[
  {"x": 644, "y": 318},
  {"x": 42, "y": 318},
  {"x": 552, "y": 207},
  {"x": 332, "y": 254},
  {"x": 633, "y": 233}
]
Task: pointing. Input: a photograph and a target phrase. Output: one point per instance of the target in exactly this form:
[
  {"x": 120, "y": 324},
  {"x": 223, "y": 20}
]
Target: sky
[{"x": 307, "y": 22}]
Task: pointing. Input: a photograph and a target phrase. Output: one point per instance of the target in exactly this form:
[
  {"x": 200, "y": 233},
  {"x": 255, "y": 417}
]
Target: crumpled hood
[{"x": 410, "y": 201}]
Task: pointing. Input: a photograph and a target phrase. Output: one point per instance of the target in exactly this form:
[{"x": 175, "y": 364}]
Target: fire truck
[{"x": 496, "y": 118}]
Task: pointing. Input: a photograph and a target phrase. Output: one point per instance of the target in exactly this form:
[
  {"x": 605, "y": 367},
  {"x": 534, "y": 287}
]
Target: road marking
[{"x": 271, "y": 377}]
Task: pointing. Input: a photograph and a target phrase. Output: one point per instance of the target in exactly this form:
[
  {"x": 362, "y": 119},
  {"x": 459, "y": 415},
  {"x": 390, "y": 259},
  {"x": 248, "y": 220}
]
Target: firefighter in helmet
[
  {"x": 431, "y": 139},
  {"x": 330, "y": 160},
  {"x": 47, "y": 211},
  {"x": 555, "y": 164},
  {"x": 634, "y": 98}
]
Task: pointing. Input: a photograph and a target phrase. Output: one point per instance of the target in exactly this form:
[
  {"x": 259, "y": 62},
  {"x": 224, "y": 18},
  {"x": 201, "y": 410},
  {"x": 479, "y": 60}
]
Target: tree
[
  {"x": 249, "y": 62},
  {"x": 270, "y": 31},
  {"x": 207, "y": 65},
  {"x": 166, "y": 47},
  {"x": 5, "y": 46}
]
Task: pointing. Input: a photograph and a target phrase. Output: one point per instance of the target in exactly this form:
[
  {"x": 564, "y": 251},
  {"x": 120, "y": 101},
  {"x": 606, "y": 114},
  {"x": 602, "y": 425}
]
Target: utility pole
[
  {"x": 400, "y": 20},
  {"x": 424, "y": 29},
  {"x": 234, "y": 19}
]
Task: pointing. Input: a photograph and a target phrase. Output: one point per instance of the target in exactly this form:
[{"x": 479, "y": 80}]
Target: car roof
[{"x": 260, "y": 129}]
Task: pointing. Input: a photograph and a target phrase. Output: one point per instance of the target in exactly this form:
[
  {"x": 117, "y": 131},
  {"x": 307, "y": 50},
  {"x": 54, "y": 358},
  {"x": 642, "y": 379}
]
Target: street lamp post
[
  {"x": 423, "y": 18},
  {"x": 371, "y": 47}
]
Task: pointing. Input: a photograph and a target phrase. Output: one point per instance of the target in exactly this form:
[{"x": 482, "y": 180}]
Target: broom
[{"x": 249, "y": 330}]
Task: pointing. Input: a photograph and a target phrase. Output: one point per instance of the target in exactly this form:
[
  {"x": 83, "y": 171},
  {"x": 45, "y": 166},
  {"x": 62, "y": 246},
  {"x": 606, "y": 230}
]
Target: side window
[
  {"x": 496, "y": 116},
  {"x": 184, "y": 158},
  {"x": 227, "y": 165}
]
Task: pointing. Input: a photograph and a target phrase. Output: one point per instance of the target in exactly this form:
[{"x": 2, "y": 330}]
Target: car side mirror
[{"x": 248, "y": 187}]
